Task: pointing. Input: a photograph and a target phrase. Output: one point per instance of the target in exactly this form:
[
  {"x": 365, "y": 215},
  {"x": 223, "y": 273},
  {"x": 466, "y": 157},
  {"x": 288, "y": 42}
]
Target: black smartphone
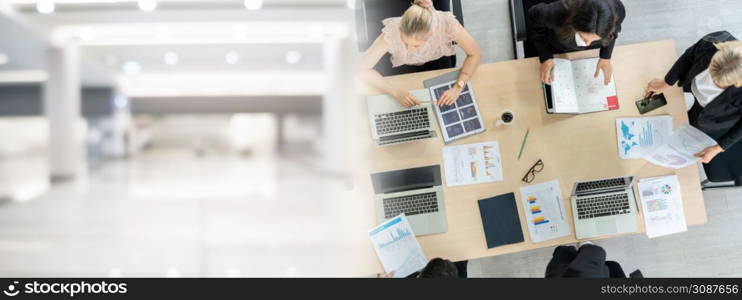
[{"x": 649, "y": 104}]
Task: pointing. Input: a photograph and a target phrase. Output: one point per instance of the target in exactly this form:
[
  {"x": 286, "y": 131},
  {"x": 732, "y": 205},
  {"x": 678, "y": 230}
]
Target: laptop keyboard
[
  {"x": 600, "y": 184},
  {"x": 411, "y": 205},
  {"x": 406, "y": 120},
  {"x": 602, "y": 206}
]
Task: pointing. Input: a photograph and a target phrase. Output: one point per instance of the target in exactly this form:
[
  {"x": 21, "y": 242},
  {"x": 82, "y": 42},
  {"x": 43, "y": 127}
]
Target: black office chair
[
  {"x": 616, "y": 271},
  {"x": 726, "y": 168},
  {"x": 370, "y": 14},
  {"x": 522, "y": 48}
]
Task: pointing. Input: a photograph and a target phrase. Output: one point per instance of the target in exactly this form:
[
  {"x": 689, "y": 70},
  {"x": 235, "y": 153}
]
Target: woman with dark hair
[
  {"x": 574, "y": 25},
  {"x": 438, "y": 268}
]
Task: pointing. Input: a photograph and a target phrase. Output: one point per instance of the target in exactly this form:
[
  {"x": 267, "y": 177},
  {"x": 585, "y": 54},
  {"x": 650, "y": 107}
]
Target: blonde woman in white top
[{"x": 421, "y": 35}]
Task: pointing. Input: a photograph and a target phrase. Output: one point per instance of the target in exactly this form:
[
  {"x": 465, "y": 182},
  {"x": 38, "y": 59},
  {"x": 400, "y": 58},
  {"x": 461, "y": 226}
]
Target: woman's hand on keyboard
[{"x": 405, "y": 98}]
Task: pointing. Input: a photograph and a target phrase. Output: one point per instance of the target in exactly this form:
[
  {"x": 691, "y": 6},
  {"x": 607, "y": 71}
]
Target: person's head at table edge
[
  {"x": 589, "y": 20},
  {"x": 439, "y": 268},
  {"x": 416, "y": 27}
]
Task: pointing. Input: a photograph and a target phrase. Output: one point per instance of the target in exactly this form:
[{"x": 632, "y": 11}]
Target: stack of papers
[
  {"x": 397, "y": 247},
  {"x": 662, "y": 206},
  {"x": 652, "y": 138}
]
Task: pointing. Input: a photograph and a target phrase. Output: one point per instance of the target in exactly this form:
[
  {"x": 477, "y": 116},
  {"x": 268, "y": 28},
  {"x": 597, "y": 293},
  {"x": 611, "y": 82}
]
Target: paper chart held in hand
[
  {"x": 678, "y": 150},
  {"x": 473, "y": 163},
  {"x": 662, "y": 206},
  {"x": 397, "y": 247},
  {"x": 543, "y": 206},
  {"x": 638, "y": 136}
]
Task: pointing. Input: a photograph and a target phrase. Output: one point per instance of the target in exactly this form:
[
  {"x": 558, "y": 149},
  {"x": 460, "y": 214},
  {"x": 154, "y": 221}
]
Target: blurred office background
[{"x": 174, "y": 137}]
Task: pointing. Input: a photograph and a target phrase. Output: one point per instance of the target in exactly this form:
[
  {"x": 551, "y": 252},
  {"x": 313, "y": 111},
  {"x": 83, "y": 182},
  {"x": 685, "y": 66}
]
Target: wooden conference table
[{"x": 572, "y": 147}]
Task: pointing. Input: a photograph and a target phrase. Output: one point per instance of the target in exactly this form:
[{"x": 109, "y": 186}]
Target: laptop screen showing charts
[{"x": 460, "y": 119}]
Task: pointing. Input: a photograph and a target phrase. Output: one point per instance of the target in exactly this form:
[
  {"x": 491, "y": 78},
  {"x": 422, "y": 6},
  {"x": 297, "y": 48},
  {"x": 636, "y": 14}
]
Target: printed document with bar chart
[
  {"x": 638, "y": 136},
  {"x": 545, "y": 213},
  {"x": 397, "y": 247},
  {"x": 473, "y": 163}
]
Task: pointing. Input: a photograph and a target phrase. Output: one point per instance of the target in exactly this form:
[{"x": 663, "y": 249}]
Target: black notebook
[{"x": 501, "y": 220}]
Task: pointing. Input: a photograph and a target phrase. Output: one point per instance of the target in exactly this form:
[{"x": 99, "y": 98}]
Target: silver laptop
[
  {"x": 415, "y": 192},
  {"x": 392, "y": 123},
  {"x": 604, "y": 207}
]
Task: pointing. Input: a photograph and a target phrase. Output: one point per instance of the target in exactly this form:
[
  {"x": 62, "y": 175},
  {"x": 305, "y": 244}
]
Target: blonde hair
[
  {"x": 726, "y": 64},
  {"x": 416, "y": 22}
]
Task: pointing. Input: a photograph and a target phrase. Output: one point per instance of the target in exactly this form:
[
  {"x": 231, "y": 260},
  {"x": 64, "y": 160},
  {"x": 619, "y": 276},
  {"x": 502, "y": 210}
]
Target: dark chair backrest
[
  {"x": 369, "y": 17},
  {"x": 615, "y": 270},
  {"x": 522, "y": 48},
  {"x": 727, "y": 166}
]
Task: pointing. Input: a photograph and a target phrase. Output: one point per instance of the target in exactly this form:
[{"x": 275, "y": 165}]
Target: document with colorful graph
[
  {"x": 397, "y": 247},
  {"x": 679, "y": 149},
  {"x": 662, "y": 206},
  {"x": 545, "y": 212},
  {"x": 638, "y": 136},
  {"x": 472, "y": 164}
]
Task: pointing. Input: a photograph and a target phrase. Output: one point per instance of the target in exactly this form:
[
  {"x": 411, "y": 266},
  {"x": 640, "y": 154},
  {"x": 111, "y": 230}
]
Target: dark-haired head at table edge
[{"x": 574, "y": 25}]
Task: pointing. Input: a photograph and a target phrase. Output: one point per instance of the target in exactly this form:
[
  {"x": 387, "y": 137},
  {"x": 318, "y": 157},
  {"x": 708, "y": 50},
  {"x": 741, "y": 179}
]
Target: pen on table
[{"x": 523, "y": 145}]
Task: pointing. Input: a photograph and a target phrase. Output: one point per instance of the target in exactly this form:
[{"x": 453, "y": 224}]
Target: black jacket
[
  {"x": 544, "y": 21},
  {"x": 586, "y": 262},
  {"x": 723, "y": 113}
]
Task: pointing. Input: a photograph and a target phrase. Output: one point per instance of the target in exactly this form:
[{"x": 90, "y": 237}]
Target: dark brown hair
[
  {"x": 591, "y": 16},
  {"x": 439, "y": 268}
]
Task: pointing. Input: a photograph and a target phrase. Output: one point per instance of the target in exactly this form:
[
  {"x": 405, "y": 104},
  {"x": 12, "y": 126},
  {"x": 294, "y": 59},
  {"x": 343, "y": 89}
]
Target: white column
[
  {"x": 62, "y": 109},
  {"x": 338, "y": 102}
]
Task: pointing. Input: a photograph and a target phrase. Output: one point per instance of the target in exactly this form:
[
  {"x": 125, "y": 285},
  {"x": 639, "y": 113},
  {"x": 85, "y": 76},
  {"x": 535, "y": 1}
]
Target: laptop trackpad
[{"x": 606, "y": 226}]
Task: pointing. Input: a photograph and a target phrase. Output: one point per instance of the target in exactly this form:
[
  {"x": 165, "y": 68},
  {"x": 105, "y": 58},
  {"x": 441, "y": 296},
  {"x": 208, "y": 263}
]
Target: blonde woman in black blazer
[{"x": 712, "y": 71}]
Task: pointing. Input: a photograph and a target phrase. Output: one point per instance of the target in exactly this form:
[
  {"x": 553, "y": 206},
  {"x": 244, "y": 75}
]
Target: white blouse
[
  {"x": 580, "y": 42},
  {"x": 704, "y": 88}
]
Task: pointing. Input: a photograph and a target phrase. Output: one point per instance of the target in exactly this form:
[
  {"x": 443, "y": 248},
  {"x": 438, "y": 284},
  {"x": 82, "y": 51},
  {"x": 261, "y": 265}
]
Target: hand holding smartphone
[{"x": 650, "y": 103}]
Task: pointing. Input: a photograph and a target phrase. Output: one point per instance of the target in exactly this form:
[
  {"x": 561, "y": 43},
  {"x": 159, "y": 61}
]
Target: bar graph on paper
[
  {"x": 397, "y": 247},
  {"x": 544, "y": 211},
  {"x": 394, "y": 236}
]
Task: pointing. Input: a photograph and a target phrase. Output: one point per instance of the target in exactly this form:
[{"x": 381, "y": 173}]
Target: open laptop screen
[{"x": 406, "y": 179}]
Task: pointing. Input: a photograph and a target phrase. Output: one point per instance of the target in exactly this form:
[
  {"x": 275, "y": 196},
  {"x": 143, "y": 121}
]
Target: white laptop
[
  {"x": 415, "y": 192},
  {"x": 604, "y": 207},
  {"x": 391, "y": 123}
]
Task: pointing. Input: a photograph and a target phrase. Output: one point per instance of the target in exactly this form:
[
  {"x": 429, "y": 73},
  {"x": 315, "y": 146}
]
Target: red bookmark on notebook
[{"x": 613, "y": 103}]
